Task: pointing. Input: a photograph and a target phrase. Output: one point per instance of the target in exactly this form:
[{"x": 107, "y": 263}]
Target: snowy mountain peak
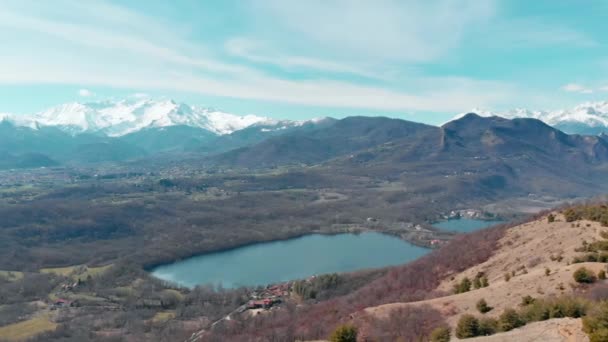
[
  {"x": 586, "y": 118},
  {"x": 117, "y": 118}
]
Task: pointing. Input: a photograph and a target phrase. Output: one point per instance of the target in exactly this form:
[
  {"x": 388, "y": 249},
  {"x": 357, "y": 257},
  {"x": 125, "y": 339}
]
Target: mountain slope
[
  {"x": 47, "y": 146},
  {"x": 317, "y": 145},
  {"x": 482, "y": 157}
]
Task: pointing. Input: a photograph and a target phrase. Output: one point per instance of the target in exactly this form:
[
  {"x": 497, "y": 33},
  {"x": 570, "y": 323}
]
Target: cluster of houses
[
  {"x": 60, "y": 303},
  {"x": 269, "y": 296}
]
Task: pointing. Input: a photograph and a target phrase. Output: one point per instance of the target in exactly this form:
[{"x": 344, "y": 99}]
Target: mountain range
[
  {"x": 119, "y": 118},
  {"x": 143, "y": 128},
  {"x": 586, "y": 118},
  {"x": 116, "y": 118}
]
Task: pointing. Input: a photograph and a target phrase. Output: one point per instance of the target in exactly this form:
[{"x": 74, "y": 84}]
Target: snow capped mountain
[
  {"x": 586, "y": 118},
  {"x": 117, "y": 118}
]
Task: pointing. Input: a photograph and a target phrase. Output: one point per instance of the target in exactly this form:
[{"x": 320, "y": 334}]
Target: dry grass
[
  {"x": 27, "y": 329},
  {"x": 553, "y": 330},
  {"x": 163, "y": 316},
  {"x": 77, "y": 272},
  {"x": 11, "y": 275}
]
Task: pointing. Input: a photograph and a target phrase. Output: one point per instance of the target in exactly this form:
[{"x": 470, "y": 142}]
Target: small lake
[
  {"x": 298, "y": 258},
  {"x": 464, "y": 225}
]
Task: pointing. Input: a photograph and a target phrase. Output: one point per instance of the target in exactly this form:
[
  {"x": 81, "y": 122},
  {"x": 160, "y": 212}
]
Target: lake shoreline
[{"x": 314, "y": 254}]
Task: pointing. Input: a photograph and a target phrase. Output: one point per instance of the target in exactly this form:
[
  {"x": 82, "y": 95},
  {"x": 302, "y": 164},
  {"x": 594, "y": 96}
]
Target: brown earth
[{"x": 528, "y": 250}]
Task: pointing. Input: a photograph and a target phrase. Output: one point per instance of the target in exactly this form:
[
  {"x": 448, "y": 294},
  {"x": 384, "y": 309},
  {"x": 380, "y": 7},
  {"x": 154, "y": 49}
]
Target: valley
[
  {"x": 303, "y": 171},
  {"x": 353, "y": 176}
]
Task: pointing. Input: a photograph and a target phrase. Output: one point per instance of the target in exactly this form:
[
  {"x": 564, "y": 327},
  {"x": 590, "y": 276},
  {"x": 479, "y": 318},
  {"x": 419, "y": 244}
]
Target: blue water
[
  {"x": 465, "y": 225},
  {"x": 279, "y": 261}
]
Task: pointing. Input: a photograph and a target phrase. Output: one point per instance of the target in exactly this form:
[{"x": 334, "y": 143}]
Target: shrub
[
  {"x": 510, "y": 320},
  {"x": 477, "y": 282},
  {"x": 344, "y": 333},
  {"x": 463, "y": 286},
  {"x": 591, "y": 257},
  {"x": 507, "y": 276},
  {"x": 468, "y": 326},
  {"x": 598, "y": 246},
  {"x": 527, "y": 300},
  {"x": 441, "y": 334},
  {"x": 484, "y": 281},
  {"x": 595, "y": 324},
  {"x": 601, "y": 274},
  {"x": 482, "y": 306},
  {"x": 543, "y": 309},
  {"x": 551, "y": 218},
  {"x": 600, "y": 335},
  {"x": 572, "y": 215},
  {"x": 547, "y": 271},
  {"x": 583, "y": 275},
  {"x": 487, "y": 326}
]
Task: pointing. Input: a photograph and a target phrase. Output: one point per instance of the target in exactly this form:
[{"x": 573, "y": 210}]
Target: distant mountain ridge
[
  {"x": 122, "y": 117},
  {"x": 586, "y": 118}
]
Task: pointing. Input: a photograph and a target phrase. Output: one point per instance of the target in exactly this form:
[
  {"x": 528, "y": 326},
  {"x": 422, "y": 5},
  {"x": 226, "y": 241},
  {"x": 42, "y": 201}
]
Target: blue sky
[{"x": 417, "y": 60}]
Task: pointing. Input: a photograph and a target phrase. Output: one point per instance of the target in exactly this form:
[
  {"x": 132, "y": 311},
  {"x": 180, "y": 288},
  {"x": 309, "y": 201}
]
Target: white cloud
[
  {"x": 85, "y": 93},
  {"x": 576, "y": 88},
  {"x": 604, "y": 88}
]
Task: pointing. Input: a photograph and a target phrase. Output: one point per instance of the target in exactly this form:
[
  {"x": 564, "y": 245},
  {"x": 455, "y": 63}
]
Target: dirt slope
[
  {"x": 554, "y": 330},
  {"x": 528, "y": 250}
]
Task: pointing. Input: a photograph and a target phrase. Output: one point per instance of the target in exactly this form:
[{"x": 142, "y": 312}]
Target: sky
[{"x": 417, "y": 60}]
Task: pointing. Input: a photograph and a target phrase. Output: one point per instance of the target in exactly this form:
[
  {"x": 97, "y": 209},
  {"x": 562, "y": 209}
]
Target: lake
[
  {"x": 464, "y": 225},
  {"x": 298, "y": 258}
]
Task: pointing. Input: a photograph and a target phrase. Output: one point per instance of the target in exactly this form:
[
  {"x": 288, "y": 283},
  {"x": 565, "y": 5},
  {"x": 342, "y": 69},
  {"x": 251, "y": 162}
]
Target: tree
[
  {"x": 482, "y": 306},
  {"x": 344, "y": 333},
  {"x": 583, "y": 275},
  {"x": 468, "y": 326},
  {"x": 510, "y": 320},
  {"x": 441, "y": 334}
]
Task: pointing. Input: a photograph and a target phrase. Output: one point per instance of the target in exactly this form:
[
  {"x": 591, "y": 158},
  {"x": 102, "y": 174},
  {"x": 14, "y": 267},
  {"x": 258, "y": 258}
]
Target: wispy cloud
[
  {"x": 407, "y": 31},
  {"x": 259, "y": 52},
  {"x": 103, "y": 44},
  {"x": 534, "y": 33},
  {"x": 576, "y": 88},
  {"x": 85, "y": 93}
]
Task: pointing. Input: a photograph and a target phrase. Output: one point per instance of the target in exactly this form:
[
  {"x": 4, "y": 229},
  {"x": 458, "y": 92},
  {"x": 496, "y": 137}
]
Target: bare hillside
[{"x": 537, "y": 257}]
